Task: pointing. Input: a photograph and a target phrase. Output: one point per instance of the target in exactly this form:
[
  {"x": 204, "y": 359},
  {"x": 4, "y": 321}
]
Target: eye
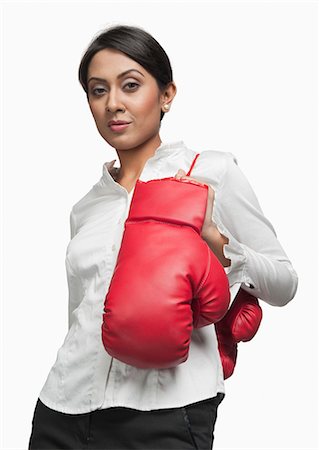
[
  {"x": 95, "y": 91},
  {"x": 98, "y": 91},
  {"x": 131, "y": 83}
]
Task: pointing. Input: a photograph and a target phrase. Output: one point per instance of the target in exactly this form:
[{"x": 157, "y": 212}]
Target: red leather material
[
  {"x": 170, "y": 200},
  {"x": 239, "y": 324},
  {"x": 166, "y": 281}
]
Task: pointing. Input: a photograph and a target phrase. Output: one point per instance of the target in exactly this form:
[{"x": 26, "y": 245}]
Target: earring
[{"x": 166, "y": 107}]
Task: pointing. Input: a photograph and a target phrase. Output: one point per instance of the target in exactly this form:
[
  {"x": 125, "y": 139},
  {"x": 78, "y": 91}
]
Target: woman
[{"x": 89, "y": 399}]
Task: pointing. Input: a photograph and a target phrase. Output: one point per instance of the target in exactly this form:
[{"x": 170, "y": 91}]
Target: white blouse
[{"x": 84, "y": 376}]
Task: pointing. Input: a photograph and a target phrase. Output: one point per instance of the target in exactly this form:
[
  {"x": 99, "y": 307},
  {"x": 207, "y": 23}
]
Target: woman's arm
[
  {"x": 74, "y": 285},
  {"x": 72, "y": 224},
  {"x": 216, "y": 242},
  {"x": 241, "y": 237},
  {"x": 257, "y": 258}
]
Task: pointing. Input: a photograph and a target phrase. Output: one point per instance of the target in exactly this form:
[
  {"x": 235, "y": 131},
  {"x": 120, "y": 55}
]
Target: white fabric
[{"x": 84, "y": 377}]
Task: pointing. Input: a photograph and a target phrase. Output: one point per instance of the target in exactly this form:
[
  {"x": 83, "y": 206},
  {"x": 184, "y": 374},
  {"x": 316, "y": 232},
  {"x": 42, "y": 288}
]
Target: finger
[{"x": 180, "y": 173}]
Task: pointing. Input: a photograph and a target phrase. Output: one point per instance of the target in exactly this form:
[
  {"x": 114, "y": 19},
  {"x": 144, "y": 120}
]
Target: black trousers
[{"x": 185, "y": 428}]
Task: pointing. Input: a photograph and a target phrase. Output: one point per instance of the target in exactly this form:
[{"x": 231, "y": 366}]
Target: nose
[{"x": 113, "y": 102}]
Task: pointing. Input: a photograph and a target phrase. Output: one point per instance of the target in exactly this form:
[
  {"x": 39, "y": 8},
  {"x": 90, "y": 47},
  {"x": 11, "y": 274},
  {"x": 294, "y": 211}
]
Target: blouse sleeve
[
  {"x": 258, "y": 260},
  {"x": 72, "y": 224},
  {"x": 74, "y": 284}
]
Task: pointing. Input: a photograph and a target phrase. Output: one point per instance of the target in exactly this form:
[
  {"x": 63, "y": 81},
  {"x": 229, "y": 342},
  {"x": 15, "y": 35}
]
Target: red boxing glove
[
  {"x": 239, "y": 324},
  {"x": 167, "y": 280}
]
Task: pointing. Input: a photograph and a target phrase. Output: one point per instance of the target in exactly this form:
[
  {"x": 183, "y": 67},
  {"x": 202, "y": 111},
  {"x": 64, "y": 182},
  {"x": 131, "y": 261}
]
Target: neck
[{"x": 133, "y": 160}]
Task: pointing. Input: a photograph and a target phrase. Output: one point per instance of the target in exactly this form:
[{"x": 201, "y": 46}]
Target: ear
[{"x": 169, "y": 92}]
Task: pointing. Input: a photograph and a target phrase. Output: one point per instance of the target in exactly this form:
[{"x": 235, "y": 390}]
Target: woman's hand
[
  {"x": 208, "y": 224},
  {"x": 210, "y": 232}
]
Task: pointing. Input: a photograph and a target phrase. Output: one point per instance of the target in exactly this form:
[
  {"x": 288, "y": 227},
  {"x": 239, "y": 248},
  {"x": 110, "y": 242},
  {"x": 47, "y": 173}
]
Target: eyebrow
[{"x": 119, "y": 76}]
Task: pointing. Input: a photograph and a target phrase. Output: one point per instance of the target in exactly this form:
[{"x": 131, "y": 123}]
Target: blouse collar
[{"x": 163, "y": 151}]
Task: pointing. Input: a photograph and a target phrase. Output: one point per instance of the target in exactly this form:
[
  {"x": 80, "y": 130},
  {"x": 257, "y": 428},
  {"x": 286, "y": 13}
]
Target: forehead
[{"x": 108, "y": 63}]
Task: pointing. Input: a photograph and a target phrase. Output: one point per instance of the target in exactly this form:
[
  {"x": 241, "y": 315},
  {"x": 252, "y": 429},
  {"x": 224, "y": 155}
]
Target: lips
[
  {"x": 119, "y": 127},
  {"x": 117, "y": 122}
]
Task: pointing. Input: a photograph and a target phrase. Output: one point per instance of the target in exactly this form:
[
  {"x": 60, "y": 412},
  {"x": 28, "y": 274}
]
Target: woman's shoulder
[
  {"x": 84, "y": 199},
  {"x": 220, "y": 156},
  {"x": 90, "y": 201},
  {"x": 211, "y": 166}
]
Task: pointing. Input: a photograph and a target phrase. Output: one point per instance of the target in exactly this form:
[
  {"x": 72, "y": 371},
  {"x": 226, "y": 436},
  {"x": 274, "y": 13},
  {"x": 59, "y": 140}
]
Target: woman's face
[{"x": 132, "y": 97}]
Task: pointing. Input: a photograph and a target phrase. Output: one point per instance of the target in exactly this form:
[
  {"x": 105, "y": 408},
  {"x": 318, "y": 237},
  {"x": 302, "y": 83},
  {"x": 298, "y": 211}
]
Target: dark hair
[{"x": 136, "y": 43}]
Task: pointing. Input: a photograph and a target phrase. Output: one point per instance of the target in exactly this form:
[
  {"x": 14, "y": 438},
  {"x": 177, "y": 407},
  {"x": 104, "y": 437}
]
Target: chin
[
  {"x": 119, "y": 142},
  {"x": 126, "y": 141}
]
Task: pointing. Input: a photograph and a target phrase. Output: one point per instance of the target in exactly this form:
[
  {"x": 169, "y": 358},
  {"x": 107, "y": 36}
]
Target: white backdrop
[{"x": 246, "y": 75}]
